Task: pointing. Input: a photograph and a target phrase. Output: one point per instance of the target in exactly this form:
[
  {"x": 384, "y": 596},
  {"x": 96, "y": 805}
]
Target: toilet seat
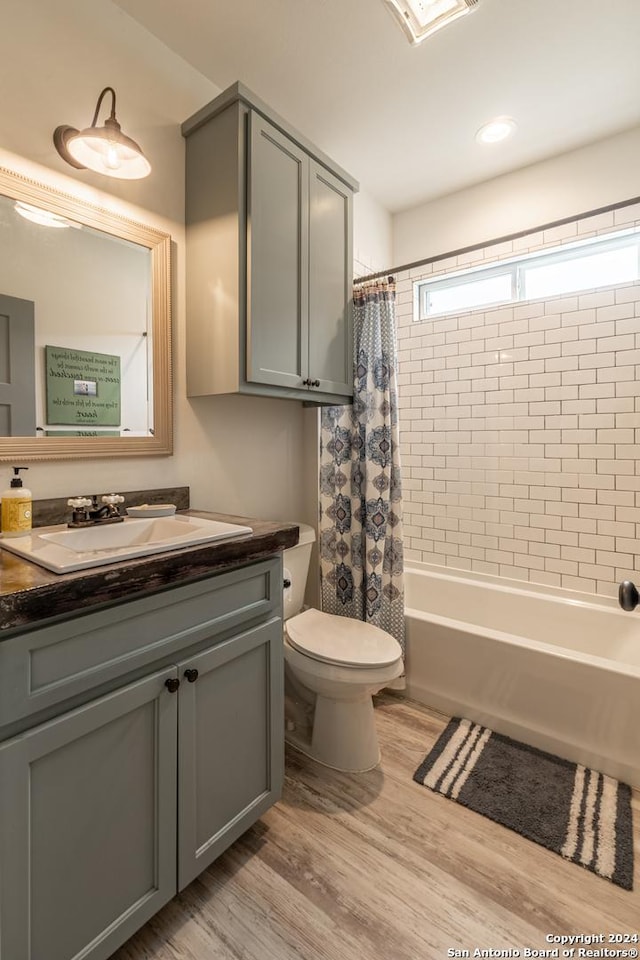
[
  {"x": 341, "y": 641},
  {"x": 340, "y": 674}
]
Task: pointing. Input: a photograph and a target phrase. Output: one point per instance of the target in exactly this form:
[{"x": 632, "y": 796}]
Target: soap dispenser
[{"x": 16, "y": 508}]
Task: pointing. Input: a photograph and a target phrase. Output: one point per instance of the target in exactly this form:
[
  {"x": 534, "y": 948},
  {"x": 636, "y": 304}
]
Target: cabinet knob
[
  {"x": 315, "y": 383},
  {"x": 191, "y": 675},
  {"x": 172, "y": 684},
  {"x": 306, "y": 383}
]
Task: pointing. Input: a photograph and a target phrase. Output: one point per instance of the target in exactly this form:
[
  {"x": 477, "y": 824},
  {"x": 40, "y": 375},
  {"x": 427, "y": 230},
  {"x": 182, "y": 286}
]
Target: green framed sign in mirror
[{"x": 83, "y": 388}]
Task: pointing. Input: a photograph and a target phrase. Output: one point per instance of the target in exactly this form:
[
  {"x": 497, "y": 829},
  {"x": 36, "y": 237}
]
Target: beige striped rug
[{"x": 583, "y": 815}]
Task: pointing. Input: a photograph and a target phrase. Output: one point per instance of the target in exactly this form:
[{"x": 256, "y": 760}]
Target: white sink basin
[{"x": 62, "y": 549}]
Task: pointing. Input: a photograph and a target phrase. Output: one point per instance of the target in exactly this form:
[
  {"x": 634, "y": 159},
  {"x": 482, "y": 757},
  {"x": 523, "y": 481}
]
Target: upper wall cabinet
[{"x": 269, "y": 257}]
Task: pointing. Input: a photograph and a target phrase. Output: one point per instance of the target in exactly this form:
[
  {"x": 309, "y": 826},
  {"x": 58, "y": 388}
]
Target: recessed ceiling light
[
  {"x": 496, "y": 130},
  {"x": 420, "y": 18}
]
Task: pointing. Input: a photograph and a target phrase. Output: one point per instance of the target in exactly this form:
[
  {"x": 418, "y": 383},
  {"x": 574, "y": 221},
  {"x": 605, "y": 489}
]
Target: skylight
[{"x": 420, "y": 18}]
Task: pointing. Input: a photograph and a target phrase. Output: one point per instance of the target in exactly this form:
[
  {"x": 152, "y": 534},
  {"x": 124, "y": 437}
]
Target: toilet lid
[{"x": 341, "y": 640}]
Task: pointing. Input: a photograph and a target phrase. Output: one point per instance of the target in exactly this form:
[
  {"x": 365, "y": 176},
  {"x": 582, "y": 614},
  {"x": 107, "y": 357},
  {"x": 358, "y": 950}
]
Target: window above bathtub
[{"x": 584, "y": 265}]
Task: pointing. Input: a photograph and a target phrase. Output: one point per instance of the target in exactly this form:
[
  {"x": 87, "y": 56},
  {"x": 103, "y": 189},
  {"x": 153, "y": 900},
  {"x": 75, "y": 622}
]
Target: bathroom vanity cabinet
[
  {"x": 136, "y": 743},
  {"x": 269, "y": 257}
]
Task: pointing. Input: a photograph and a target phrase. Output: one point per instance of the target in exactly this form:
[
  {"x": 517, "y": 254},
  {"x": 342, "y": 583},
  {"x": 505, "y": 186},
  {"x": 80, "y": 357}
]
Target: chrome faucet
[{"x": 86, "y": 511}]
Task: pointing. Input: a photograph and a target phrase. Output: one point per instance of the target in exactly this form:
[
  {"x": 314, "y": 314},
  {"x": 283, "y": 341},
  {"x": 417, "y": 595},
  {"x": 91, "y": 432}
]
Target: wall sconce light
[
  {"x": 104, "y": 149},
  {"x": 44, "y": 218}
]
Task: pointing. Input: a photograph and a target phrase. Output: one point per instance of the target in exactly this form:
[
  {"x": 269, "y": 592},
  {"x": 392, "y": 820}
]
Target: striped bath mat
[{"x": 574, "y": 811}]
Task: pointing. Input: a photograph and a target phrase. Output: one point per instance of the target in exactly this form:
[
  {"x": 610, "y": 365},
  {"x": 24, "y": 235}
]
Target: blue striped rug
[{"x": 577, "y": 812}]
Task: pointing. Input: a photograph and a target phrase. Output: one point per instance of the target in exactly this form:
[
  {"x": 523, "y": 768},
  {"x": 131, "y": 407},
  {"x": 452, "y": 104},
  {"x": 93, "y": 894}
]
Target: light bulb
[{"x": 112, "y": 160}]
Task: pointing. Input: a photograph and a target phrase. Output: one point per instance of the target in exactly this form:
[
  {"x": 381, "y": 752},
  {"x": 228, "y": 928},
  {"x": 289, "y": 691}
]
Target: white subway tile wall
[{"x": 520, "y": 427}]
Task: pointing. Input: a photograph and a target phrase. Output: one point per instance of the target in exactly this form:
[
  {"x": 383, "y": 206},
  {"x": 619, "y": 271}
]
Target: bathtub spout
[{"x": 628, "y": 596}]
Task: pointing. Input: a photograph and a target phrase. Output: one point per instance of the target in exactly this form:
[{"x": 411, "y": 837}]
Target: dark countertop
[{"x": 29, "y": 594}]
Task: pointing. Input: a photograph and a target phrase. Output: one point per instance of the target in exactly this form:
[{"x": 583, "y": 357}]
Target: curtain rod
[
  {"x": 375, "y": 276},
  {"x": 504, "y": 239}
]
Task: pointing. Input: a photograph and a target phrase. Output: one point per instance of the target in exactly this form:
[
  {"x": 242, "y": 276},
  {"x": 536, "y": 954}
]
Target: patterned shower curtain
[{"x": 361, "y": 558}]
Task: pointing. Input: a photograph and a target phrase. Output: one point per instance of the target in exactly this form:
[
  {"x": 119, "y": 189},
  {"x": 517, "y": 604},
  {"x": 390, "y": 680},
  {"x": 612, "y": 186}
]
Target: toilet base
[
  {"x": 304, "y": 747},
  {"x": 343, "y": 737}
]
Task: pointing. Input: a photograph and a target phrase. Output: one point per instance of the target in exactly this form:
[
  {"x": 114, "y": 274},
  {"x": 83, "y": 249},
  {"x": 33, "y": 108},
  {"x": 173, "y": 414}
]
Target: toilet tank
[{"x": 296, "y": 568}]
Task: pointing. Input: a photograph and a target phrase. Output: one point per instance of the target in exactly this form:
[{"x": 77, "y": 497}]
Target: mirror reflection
[
  {"x": 74, "y": 328},
  {"x": 84, "y": 327}
]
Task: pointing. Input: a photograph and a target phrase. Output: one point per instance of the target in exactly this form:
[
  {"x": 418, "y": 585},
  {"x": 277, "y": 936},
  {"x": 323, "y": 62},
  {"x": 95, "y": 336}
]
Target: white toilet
[{"x": 333, "y": 666}]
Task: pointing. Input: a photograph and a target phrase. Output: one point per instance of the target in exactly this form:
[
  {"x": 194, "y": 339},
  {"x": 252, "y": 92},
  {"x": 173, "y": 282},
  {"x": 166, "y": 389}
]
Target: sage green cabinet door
[
  {"x": 277, "y": 257},
  {"x": 330, "y": 283},
  {"x": 88, "y": 825},
  {"x": 231, "y": 743}
]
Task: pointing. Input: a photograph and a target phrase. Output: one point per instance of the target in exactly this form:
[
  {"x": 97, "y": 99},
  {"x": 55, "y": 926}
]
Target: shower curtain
[{"x": 360, "y": 535}]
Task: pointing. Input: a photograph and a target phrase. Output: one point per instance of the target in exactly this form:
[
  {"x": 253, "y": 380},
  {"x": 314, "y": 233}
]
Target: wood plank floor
[{"x": 376, "y": 866}]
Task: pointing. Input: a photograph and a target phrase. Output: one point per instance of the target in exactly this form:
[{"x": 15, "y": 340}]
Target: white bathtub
[{"x": 561, "y": 674}]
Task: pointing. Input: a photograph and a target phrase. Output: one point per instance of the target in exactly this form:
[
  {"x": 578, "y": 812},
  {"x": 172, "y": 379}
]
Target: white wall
[
  {"x": 595, "y": 176},
  {"x": 238, "y": 454},
  {"x": 372, "y": 235}
]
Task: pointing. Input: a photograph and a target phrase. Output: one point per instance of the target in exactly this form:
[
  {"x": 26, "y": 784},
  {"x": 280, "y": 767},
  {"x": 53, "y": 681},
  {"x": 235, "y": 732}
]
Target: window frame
[{"x": 517, "y": 268}]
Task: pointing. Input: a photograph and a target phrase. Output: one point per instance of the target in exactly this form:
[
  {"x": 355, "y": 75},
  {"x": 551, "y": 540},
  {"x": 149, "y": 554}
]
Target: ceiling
[{"x": 402, "y": 119}]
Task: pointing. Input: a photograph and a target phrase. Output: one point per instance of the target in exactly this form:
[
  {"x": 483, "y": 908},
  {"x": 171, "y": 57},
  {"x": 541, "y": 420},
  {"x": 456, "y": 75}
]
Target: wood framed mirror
[{"x": 85, "y": 329}]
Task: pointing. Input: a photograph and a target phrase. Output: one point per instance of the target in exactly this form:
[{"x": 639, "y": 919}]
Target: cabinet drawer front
[{"x": 45, "y": 667}]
